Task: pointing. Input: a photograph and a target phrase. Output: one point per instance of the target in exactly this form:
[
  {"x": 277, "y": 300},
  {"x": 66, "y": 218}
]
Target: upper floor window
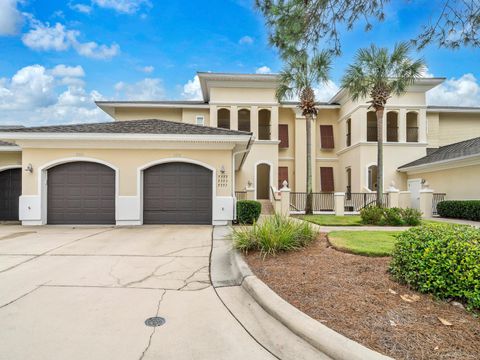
[
  {"x": 244, "y": 120},
  {"x": 349, "y": 132},
  {"x": 283, "y": 136},
  {"x": 223, "y": 118},
  {"x": 371, "y": 126},
  {"x": 412, "y": 126},
  {"x": 264, "y": 117},
  {"x": 392, "y": 126},
  {"x": 326, "y": 137},
  {"x": 200, "y": 120}
]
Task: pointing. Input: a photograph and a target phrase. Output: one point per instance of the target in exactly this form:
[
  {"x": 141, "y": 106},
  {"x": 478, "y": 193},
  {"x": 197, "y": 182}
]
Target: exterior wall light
[
  {"x": 29, "y": 168},
  {"x": 222, "y": 169}
]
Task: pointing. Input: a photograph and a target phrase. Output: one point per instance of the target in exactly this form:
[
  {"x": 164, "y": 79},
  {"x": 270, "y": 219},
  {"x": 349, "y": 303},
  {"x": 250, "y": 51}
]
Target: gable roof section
[
  {"x": 150, "y": 126},
  {"x": 452, "y": 152}
]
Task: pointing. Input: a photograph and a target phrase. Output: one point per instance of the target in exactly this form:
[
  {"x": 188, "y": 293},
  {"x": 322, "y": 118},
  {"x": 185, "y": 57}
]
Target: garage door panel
[
  {"x": 177, "y": 193},
  {"x": 81, "y": 193}
]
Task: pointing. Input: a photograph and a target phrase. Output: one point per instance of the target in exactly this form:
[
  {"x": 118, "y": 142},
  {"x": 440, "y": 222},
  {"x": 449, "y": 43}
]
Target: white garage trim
[
  {"x": 43, "y": 188},
  {"x": 9, "y": 167}
]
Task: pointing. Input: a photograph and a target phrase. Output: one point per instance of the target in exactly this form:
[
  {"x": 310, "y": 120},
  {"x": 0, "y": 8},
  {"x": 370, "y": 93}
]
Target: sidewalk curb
[{"x": 321, "y": 337}]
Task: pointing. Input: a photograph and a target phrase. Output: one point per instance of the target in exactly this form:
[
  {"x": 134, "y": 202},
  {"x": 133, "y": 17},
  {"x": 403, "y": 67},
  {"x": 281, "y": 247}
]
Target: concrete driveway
[{"x": 85, "y": 292}]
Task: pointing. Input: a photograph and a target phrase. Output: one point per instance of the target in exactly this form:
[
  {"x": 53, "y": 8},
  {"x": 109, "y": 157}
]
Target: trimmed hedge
[
  {"x": 441, "y": 259},
  {"x": 248, "y": 211},
  {"x": 374, "y": 215},
  {"x": 459, "y": 209}
]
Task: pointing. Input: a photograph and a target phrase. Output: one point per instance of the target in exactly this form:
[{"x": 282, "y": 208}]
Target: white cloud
[
  {"x": 43, "y": 37},
  {"x": 10, "y": 18},
  {"x": 464, "y": 91},
  {"x": 123, "y": 6},
  {"x": 263, "y": 70},
  {"x": 37, "y": 96},
  {"x": 83, "y": 8},
  {"x": 146, "y": 89},
  {"x": 326, "y": 91},
  {"x": 192, "y": 89},
  {"x": 245, "y": 40},
  {"x": 147, "y": 69}
]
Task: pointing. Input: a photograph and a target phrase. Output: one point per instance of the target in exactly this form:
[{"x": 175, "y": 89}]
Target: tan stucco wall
[
  {"x": 455, "y": 127},
  {"x": 148, "y": 113},
  {"x": 8, "y": 158},
  {"x": 460, "y": 183},
  {"x": 242, "y": 95},
  {"x": 433, "y": 133},
  {"x": 126, "y": 160}
]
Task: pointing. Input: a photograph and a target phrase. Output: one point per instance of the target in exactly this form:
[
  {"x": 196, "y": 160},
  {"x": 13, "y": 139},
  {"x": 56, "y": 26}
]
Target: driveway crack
[
  {"x": 149, "y": 275},
  {"x": 154, "y": 329}
]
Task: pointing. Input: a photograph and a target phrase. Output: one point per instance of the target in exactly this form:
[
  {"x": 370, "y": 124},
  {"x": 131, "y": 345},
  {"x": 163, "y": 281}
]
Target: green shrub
[
  {"x": 274, "y": 234},
  {"x": 411, "y": 217},
  {"x": 248, "y": 211},
  {"x": 371, "y": 215},
  {"x": 392, "y": 217},
  {"x": 460, "y": 209},
  {"x": 441, "y": 259}
]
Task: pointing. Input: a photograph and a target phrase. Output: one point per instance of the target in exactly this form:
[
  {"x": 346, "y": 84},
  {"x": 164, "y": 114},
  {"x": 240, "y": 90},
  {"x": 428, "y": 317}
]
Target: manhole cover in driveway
[{"x": 155, "y": 321}]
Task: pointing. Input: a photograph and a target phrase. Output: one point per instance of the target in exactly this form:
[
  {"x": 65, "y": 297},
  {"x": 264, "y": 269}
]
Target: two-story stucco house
[{"x": 187, "y": 161}]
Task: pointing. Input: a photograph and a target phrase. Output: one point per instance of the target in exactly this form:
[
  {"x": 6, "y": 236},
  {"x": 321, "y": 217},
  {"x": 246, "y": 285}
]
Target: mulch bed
[{"x": 353, "y": 295}]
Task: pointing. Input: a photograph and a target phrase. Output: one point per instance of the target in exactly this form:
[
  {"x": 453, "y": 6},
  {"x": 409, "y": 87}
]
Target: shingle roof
[
  {"x": 4, "y": 143},
  {"x": 449, "y": 152},
  {"x": 150, "y": 126}
]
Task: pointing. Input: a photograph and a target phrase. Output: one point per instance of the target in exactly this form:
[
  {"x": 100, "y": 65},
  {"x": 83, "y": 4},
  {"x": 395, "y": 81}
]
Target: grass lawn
[
  {"x": 332, "y": 220},
  {"x": 369, "y": 243}
]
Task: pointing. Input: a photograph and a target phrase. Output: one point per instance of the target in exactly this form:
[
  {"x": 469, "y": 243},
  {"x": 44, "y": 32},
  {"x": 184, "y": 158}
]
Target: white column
[
  {"x": 213, "y": 116},
  {"x": 254, "y": 121},
  {"x": 422, "y": 126},
  {"x": 426, "y": 198},
  {"x": 274, "y": 123},
  {"x": 285, "y": 199},
  {"x": 234, "y": 117},
  {"x": 300, "y": 152},
  {"x": 339, "y": 203},
  {"x": 402, "y": 126},
  {"x": 404, "y": 199}
]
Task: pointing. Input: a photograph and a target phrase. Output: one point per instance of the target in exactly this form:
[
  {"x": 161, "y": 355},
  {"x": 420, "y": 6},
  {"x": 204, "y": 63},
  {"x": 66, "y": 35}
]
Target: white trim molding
[{"x": 9, "y": 167}]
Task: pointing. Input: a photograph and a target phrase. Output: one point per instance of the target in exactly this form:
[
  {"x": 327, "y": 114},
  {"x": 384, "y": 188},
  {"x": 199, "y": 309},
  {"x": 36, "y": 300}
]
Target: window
[
  {"x": 326, "y": 137},
  {"x": 244, "y": 120},
  {"x": 372, "y": 177},
  {"x": 392, "y": 126},
  {"x": 283, "y": 136},
  {"x": 200, "y": 120},
  {"x": 223, "y": 118},
  {"x": 326, "y": 179},
  {"x": 371, "y": 126},
  {"x": 349, "y": 184},
  {"x": 412, "y": 127},
  {"x": 349, "y": 132},
  {"x": 282, "y": 175},
  {"x": 264, "y": 124}
]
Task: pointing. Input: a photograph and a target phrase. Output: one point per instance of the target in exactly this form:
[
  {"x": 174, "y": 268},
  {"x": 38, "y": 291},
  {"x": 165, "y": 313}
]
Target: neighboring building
[{"x": 183, "y": 161}]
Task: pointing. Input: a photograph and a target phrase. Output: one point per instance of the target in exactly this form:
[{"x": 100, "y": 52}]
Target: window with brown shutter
[
  {"x": 326, "y": 137},
  {"x": 326, "y": 179},
  {"x": 283, "y": 135},
  {"x": 282, "y": 175}
]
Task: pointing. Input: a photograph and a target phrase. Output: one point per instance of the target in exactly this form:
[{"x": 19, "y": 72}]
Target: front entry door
[{"x": 414, "y": 186}]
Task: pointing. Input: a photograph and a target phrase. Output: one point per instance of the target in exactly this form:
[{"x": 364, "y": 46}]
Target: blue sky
[{"x": 57, "y": 57}]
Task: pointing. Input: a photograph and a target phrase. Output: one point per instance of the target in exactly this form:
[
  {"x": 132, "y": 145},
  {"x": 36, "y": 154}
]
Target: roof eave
[{"x": 432, "y": 165}]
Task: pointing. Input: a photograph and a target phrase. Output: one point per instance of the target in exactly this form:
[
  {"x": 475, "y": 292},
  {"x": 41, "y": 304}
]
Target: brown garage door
[
  {"x": 81, "y": 193},
  {"x": 177, "y": 193},
  {"x": 10, "y": 191}
]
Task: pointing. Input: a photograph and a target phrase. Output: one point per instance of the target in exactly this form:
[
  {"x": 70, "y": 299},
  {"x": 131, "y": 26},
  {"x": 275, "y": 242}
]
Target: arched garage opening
[
  {"x": 177, "y": 193},
  {"x": 10, "y": 191},
  {"x": 81, "y": 192}
]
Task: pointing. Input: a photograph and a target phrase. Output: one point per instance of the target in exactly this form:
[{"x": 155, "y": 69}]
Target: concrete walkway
[
  {"x": 456, "y": 221},
  {"x": 85, "y": 292}
]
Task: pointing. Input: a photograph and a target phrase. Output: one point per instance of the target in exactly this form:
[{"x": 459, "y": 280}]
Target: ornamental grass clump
[
  {"x": 274, "y": 234},
  {"x": 441, "y": 259}
]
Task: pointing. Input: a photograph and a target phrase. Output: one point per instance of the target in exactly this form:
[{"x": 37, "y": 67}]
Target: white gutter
[{"x": 10, "y": 148}]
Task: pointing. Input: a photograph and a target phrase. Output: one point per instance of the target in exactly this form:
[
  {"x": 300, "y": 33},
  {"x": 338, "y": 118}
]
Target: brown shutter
[
  {"x": 326, "y": 179},
  {"x": 326, "y": 137},
  {"x": 283, "y": 135},
  {"x": 282, "y": 175}
]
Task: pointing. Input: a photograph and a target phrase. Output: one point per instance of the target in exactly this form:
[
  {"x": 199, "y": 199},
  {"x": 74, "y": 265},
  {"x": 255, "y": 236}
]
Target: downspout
[{"x": 247, "y": 149}]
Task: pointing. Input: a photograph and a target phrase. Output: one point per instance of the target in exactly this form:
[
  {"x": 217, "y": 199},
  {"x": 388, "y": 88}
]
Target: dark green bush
[
  {"x": 371, "y": 215},
  {"x": 441, "y": 259},
  {"x": 459, "y": 209},
  {"x": 248, "y": 211},
  {"x": 411, "y": 217},
  {"x": 392, "y": 217}
]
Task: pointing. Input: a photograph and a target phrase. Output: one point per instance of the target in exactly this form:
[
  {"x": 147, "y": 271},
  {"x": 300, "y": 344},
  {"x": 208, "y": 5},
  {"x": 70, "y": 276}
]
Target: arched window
[
  {"x": 371, "y": 126},
  {"x": 349, "y": 132},
  {"x": 264, "y": 124},
  {"x": 223, "y": 118},
  {"x": 372, "y": 177},
  {"x": 412, "y": 126},
  {"x": 392, "y": 126},
  {"x": 244, "y": 120}
]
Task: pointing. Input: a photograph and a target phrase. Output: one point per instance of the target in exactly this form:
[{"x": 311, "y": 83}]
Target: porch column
[
  {"x": 426, "y": 199},
  {"x": 254, "y": 121},
  {"x": 339, "y": 203},
  {"x": 213, "y": 116},
  {"x": 300, "y": 152},
  {"x": 404, "y": 199},
  {"x": 402, "y": 126},
  {"x": 250, "y": 192},
  {"x": 233, "y": 117},
  {"x": 422, "y": 126},
  {"x": 393, "y": 198},
  {"x": 274, "y": 123},
  {"x": 285, "y": 199}
]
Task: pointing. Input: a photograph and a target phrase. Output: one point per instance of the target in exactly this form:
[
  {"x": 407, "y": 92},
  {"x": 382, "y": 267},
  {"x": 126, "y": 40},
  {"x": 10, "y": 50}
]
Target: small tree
[
  {"x": 302, "y": 72},
  {"x": 376, "y": 74}
]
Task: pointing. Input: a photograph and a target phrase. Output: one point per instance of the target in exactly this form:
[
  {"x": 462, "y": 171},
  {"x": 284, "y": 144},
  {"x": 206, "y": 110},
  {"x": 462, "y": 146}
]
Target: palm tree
[
  {"x": 302, "y": 72},
  {"x": 376, "y": 74}
]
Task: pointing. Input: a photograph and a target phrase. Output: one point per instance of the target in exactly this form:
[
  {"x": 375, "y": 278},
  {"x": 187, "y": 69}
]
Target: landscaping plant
[
  {"x": 248, "y": 211},
  {"x": 460, "y": 209},
  {"x": 273, "y": 234},
  {"x": 441, "y": 259},
  {"x": 373, "y": 215}
]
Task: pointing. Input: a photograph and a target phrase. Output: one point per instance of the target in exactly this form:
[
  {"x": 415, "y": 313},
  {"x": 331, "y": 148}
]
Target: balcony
[{"x": 412, "y": 134}]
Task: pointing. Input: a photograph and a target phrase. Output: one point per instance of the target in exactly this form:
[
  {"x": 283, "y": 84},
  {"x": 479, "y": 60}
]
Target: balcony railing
[
  {"x": 241, "y": 195},
  {"x": 437, "y": 197},
  {"x": 323, "y": 201},
  {"x": 355, "y": 202},
  {"x": 412, "y": 134},
  {"x": 372, "y": 133},
  {"x": 392, "y": 134}
]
